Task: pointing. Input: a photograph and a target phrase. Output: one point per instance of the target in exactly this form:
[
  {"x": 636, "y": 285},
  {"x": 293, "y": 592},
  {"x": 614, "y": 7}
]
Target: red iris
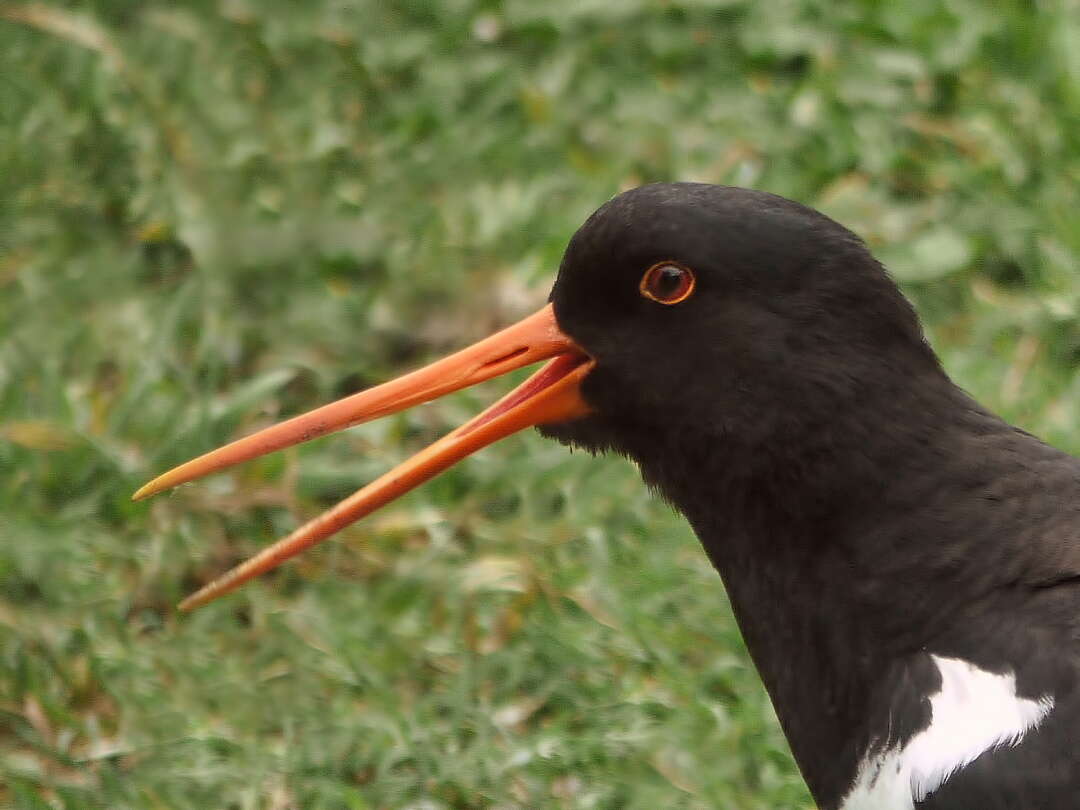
[{"x": 667, "y": 283}]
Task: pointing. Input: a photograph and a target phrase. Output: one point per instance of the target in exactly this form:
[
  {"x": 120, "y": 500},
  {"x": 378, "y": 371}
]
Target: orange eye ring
[{"x": 668, "y": 282}]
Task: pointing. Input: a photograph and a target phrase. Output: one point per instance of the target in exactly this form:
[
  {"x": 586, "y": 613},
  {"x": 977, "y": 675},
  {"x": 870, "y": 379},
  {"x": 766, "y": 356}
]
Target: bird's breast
[{"x": 973, "y": 712}]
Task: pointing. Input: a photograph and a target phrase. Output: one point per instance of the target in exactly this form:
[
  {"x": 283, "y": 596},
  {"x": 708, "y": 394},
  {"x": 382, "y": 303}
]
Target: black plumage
[
  {"x": 863, "y": 511},
  {"x": 904, "y": 565}
]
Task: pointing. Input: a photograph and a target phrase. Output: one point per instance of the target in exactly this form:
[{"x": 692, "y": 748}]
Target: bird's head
[
  {"x": 714, "y": 312},
  {"x": 680, "y": 311}
]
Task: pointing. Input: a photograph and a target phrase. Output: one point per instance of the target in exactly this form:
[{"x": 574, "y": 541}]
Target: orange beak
[{"x": 552, "y": 394}]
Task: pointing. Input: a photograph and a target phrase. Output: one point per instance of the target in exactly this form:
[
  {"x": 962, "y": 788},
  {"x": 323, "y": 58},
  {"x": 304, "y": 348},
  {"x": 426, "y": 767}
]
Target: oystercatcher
[{"x": 904, "y": 565}]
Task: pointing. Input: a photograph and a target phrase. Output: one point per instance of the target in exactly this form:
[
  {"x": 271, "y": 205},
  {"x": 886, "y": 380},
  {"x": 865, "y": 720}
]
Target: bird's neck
[{"x": 820, "y": 541}]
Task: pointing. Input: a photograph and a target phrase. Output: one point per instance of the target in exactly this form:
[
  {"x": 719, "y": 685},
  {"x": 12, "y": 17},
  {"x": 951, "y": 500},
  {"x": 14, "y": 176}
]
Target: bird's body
[
  {"x": 948, "y": 582},
  {"x": 904, "y": 565},
  {"x": 883, "y": 539}
]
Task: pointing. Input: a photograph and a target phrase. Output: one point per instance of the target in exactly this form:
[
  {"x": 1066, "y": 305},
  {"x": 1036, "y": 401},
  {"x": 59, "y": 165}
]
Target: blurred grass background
[{"x": 214, "y": 214}]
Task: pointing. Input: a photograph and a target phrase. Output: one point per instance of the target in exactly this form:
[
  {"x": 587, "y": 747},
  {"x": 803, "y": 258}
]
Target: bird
[{"x": 903, "y": 564}]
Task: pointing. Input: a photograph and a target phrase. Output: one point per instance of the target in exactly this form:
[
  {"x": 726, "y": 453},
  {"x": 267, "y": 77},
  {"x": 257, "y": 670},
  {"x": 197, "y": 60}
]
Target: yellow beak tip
[{"x": 159, "y": 484}]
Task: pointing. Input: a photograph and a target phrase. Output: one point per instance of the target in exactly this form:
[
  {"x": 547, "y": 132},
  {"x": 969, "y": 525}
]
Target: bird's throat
[{"x": 794, "y": 529}]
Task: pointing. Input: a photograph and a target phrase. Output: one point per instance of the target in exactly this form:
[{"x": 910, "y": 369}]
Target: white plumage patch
[{"x": 974, "y": 711}]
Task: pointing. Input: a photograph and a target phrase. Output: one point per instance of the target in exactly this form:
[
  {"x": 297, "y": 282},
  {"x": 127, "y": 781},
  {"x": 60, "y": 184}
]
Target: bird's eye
[{"x": 667, "y": 283}]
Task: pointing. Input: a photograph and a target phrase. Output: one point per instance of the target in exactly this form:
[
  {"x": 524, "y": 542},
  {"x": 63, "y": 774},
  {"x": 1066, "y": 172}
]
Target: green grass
[{"x": 216, "y": 214}]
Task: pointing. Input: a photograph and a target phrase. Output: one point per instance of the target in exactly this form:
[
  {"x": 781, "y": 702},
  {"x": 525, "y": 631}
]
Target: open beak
[{"x": 552, "y": 394}]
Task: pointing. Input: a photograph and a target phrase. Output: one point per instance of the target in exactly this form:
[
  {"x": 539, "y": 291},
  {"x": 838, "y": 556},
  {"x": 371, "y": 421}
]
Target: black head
[
  {"x": 764, "y": 321},
  {"x": 790, "y": 318}
]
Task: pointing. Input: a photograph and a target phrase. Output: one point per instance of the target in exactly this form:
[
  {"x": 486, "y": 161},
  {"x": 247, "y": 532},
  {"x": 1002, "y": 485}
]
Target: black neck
[{"x": 822, "y": 548}]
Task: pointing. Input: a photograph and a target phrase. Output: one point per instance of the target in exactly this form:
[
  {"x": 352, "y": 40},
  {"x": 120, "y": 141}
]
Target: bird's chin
[{"x": 587, "y": 433}]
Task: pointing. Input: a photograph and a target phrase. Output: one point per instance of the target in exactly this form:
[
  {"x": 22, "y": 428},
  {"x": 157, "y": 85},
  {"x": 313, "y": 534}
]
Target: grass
[{"x": 216, "y": 214}]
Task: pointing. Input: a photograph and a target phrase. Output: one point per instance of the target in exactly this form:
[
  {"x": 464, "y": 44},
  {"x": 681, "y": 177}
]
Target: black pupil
[{"x": 668, "y": 281}]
